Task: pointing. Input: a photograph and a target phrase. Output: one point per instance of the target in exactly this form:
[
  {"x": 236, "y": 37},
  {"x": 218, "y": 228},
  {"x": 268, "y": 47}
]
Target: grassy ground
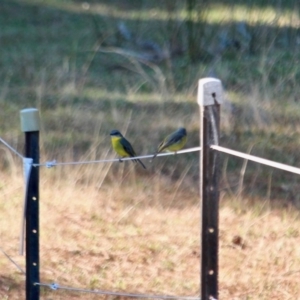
[
  {"x": 68, "y": 59},
  {"x": 146, "y": 240}
]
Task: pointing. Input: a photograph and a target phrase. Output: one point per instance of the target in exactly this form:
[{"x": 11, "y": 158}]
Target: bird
[
  {"x": 173, "y": 142},
  {"x": 122, "y": 146}
]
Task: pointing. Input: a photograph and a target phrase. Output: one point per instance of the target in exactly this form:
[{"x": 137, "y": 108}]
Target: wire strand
[
  {"x": 260, "y": 160},
  {"x": 11, "y": 260},
  {"x": 55, "y": 286},
  {"x": 50, "y": 164},
  {"x": 11, "y": 148}
]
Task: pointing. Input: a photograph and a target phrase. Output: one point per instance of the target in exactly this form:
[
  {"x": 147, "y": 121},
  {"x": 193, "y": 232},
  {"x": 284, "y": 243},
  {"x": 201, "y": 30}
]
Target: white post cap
[
  {"x": 209, "y": 90},
  {"x": 30, "y": 120}
]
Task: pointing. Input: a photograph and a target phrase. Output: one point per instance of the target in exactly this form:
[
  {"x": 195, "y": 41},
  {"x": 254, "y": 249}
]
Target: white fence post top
[
  {"x": 209, "y": 91},
  {"x": 30, "y": 120}
]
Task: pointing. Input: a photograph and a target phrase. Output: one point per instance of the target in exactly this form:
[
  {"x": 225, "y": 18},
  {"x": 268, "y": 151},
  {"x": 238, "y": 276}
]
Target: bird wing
[
  {"x": 170, "y": 140},
  {"x": 127, "y": 147}
]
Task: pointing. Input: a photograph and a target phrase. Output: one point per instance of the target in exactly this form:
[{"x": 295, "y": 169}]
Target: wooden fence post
[
  {"x": 30, "y": 125},
  {"x": 209, "y": 99}
]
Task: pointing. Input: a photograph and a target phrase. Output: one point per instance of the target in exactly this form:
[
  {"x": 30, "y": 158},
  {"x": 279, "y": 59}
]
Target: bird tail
[
  {"x": 141, "y": 164},
  {"x": 160, "y": 148},
  {"x": 154, "y": 155}
]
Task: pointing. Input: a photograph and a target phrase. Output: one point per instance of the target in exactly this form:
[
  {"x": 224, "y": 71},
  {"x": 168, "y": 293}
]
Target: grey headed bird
[
  {"x": 122, "y": 146},
  {"x": 173, "y": 142}
]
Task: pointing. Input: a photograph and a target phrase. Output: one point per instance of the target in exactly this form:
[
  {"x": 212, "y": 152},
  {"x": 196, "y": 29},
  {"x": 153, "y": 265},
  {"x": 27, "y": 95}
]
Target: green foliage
[{"x": 70, "y": 60}]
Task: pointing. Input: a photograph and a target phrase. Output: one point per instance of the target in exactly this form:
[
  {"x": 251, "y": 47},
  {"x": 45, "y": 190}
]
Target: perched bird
[
  {"x": 122, "y": 146},
  {"x": 173, "y": 142}
]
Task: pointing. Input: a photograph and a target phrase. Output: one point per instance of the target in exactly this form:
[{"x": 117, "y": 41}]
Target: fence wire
[
  {"x": 12, "y": 261},
  {"x": 54, "y": 163},
  {"x": 257, "y": 159},
  {"x": 11, "y": 148},
  {"x": 49, "y": 164},
  {"x": 55, "y": 286}
]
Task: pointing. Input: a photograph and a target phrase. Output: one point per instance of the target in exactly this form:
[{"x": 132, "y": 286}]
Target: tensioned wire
[
  {"x": 12, "y": 261},
  {"x": 214, "y": 147},
  {"x": 1, "y": 250},
  {"x": 55, "y": 286},
  {"x": 257, "y": 159},
  {"x": 50, "y": 164},
  {"x": 11, "y": 148}
]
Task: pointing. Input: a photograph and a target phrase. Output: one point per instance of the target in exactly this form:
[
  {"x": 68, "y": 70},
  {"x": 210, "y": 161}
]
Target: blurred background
[{"x": 134, "y": 65}]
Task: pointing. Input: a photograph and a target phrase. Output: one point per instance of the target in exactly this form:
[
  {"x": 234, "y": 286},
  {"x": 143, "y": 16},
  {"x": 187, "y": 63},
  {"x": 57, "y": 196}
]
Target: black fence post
[
  {"x": 209, "y": 99},
  {"x": 30, "y": 125}
]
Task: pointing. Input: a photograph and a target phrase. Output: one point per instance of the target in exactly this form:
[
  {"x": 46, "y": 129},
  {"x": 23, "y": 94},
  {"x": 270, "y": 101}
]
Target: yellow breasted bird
[
  {"x": 173, "y": 142},
  {"x": 122, "y": 146}
]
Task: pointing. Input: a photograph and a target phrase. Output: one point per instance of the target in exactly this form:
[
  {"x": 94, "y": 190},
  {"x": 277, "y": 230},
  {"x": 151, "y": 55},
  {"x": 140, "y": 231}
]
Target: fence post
[
  {"x": 209, "y": 99},
  {"x": 30, "y": 125}
]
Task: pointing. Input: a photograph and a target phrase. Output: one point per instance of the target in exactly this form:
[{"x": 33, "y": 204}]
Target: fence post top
[
  {"x": 209, "y": 90},
  {"x": 30, "y": 120}
]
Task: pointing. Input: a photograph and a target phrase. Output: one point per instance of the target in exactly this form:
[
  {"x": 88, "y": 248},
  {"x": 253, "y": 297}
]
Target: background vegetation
[{"x": 90, "y": 67}]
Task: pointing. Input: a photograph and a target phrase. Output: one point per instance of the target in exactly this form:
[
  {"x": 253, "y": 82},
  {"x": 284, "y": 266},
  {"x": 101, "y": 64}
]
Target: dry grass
[
  {"x": 143, "y": 238},
  {"x": 121, "y": 228}
]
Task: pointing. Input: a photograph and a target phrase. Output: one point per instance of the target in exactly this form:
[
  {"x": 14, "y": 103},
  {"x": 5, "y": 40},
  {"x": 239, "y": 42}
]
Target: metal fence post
[
  {"x": 209, "y": 99},
  {"x": 30, "y": 126}
]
